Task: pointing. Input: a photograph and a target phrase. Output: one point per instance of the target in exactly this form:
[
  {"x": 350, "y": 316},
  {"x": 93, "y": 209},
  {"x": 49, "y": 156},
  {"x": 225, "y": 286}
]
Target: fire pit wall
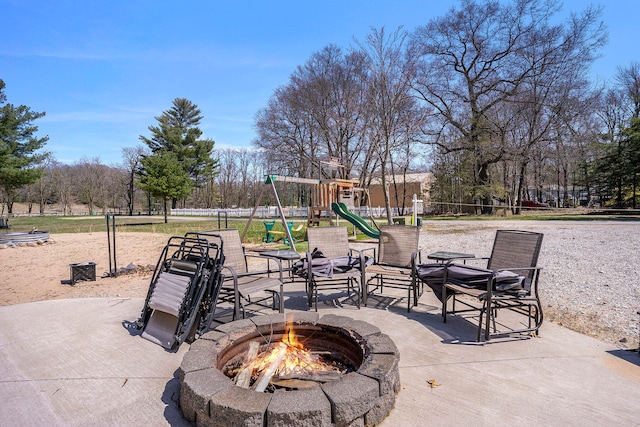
[{"x": 364, "y": 397}]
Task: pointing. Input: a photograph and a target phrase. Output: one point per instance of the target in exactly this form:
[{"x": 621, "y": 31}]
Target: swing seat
[{"x": 272, "y": 235}]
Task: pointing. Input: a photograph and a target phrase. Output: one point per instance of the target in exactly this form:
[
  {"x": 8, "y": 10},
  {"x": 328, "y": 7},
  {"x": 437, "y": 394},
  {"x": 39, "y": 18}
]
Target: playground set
[{"x": 335, "y": 195}]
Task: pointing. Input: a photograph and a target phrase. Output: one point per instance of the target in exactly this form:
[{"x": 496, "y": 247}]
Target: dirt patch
[{"x": 36, "y": 273}]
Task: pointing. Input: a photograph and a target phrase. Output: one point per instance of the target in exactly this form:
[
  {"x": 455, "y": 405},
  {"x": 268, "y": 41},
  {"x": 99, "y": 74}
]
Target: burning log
[
  {"x": 243, "y": 379},
  {"x": 266, "y": 375},
  {"x": 284, "y": 362}
]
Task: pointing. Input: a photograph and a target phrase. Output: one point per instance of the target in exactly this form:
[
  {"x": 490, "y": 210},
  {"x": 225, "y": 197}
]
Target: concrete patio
[{"x": 74, "y": 362}]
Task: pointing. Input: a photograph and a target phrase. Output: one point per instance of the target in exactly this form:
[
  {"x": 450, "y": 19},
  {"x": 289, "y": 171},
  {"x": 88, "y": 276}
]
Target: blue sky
[{"x": 103, "y": 70}]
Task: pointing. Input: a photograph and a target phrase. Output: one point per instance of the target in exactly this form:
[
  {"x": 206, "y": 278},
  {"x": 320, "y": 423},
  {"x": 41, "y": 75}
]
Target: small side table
[
  {"x": 288, "y": 255},
  {"x": 443, "y": 256},
  {"x": 285, "y": 255}
]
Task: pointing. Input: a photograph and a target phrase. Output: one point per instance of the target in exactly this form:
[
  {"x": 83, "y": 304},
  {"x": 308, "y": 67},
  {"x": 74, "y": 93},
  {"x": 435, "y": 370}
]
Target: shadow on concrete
[
  {"x": 631, "y": 356},
  {"x": 171, "y": 399}
]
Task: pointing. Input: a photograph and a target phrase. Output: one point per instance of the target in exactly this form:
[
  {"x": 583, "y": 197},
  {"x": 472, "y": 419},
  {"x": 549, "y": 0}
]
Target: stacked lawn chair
[{"x": 183, "y": 291}]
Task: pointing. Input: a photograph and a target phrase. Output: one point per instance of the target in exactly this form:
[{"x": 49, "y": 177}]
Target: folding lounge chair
[
  {"x": 397, "y": 257},
  {"x": 211, "y": 293},
  {"x": 509, "y": 281},
  {"x": 181, "y": 287},
  {"x": 333, "y": 264},
  {"x": 243, "y": 286}
]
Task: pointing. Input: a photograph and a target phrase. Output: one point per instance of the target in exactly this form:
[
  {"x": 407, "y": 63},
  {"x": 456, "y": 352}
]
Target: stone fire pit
[{"x": 363, "y": 397}]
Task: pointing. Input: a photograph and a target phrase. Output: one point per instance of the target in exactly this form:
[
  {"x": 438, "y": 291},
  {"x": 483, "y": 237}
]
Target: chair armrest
[
  {"x": 491, "y": 282},
  {"x": 236, "y": 292},
  {"x": 268, "y": 259},
  {"x": 374, "y": 249},
  {"x": 361, "y": 256},
  {"x": 416, "y": 260},
  {"x": 361, "y": 252}
]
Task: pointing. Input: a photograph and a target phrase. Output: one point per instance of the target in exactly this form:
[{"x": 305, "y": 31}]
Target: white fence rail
[{"x": 272, "y": 212}]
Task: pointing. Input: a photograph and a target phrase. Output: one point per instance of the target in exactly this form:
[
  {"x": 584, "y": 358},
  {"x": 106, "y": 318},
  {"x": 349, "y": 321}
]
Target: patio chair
[
  {"x": 184, "y": 281},
  {"x": 395, "y": 263},
  {"x": 509, "y": 281},
  {"x": 244, "y": 285},
  {"x": 333, "y": 264}
]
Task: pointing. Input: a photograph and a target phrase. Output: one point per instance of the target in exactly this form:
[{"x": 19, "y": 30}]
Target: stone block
[
  {"x": 221, "y": 338},
  {"x": 237, "y": 406},
  {"x": 196, "y": 360},
  {"x": 380, "y": 410},
  {"x": 384, "y": 369},
  {"x": 266, "y": 323},
  {"x": 300, "y": 408},
  {"x": 381, "y": 343},
  {"x": 303, "y": 317},
  {"x": 197, "y": 388},
  {"x": 237, "y": 329},
  {"x": 358, "y": 328},
  {"x": 351, "y": 397}
]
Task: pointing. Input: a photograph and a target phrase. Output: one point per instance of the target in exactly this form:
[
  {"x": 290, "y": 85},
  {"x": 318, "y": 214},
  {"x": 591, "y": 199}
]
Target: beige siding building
[{"x": 401, "y": 194}]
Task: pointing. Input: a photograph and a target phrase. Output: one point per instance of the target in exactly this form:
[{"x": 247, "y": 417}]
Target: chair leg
[
  {"x": 309, "y": 287},
  {"x": 315, "y": 294},
  {"x": 487, "y": 331},
  {"x": 444, "y": 303},
  {"x": 483, "y": 312}
]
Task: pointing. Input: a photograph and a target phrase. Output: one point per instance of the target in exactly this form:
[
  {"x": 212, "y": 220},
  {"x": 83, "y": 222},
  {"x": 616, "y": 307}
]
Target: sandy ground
[{"x": 43, "y": 272}]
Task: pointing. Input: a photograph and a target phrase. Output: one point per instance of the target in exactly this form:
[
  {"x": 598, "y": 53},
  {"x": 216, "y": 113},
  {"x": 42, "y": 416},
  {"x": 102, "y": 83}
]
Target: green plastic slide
[{"x": 342, "y": 210}]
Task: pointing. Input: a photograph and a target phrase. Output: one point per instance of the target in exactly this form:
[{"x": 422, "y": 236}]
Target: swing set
[{"x": 324, "y": 193}]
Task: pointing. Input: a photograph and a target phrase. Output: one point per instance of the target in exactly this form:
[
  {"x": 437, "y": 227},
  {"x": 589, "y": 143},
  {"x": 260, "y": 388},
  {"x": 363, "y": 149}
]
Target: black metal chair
[{"x": 509, "y": 281}]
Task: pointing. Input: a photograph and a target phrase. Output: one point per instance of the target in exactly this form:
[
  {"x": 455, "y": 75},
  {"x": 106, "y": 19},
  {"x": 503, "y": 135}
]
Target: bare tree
[
  {"x": 628, "y": 79},
  {"x": 131, "y": 164},
  {"x": 395, "y": 120},
  {"x": 318, "y": 115},
  {"x": 89, "y": 182},
  {"x": 62, "y": 181},
  {"x": 485, "y": 54}
]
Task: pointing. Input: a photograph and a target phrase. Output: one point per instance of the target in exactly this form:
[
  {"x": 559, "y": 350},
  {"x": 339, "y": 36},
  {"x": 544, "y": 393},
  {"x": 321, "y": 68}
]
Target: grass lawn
[{"x": 180, "y": 225}]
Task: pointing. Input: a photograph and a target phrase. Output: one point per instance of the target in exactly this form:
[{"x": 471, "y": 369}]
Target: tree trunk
[
  {"x": 519, "y": 190},
  {"x": 483, "y": 181},
  {"x": 165, "y": 210}
]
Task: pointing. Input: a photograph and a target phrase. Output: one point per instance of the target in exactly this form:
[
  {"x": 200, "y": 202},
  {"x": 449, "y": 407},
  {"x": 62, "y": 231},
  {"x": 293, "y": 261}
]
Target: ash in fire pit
[{"x": 353, "y": 374}]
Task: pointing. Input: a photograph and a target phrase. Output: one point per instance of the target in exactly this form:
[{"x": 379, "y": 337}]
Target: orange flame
[{"x": 295, "y": 358}]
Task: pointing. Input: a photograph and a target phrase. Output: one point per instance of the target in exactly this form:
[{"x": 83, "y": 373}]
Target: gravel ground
[{"x": 590, "y": 280}]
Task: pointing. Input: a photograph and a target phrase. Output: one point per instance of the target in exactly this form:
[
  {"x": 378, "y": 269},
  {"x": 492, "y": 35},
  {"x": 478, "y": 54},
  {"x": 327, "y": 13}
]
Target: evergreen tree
[
  {"x": 177, "y": 132},
  {"x": 19, "y": 156},
  {"x": 616, "y": 172},
  {"x": 163, "y": 176}
]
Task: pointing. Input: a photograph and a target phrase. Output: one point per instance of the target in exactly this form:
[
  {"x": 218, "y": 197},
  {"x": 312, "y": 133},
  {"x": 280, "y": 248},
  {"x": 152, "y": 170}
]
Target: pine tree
[
  {"x": 177, "y": 131},
  {"x": 19, "y": 148}
]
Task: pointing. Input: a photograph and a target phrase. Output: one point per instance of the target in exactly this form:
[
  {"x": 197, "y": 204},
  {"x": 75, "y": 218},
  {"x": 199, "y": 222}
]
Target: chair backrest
[
  {"x": 397, "y": 243},
  {"x": 332, "y": 241},
  {"x": 232, "y": 250},
  {"x": 514, "y": 248}
]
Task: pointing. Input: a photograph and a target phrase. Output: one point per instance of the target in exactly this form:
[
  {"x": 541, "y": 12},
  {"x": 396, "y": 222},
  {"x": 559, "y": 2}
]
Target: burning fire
[
  {"x": 292, "y": 358},
  {"x": 286, "y": 359}
]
